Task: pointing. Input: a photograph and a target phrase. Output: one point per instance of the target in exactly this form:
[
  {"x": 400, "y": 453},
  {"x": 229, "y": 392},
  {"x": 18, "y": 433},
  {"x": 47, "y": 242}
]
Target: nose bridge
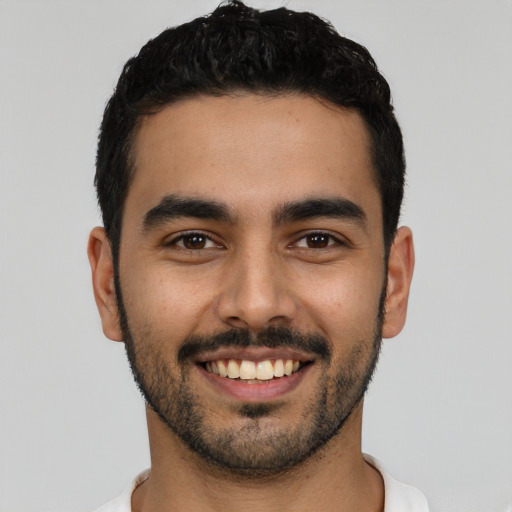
[{"x": 255, "y": 294}]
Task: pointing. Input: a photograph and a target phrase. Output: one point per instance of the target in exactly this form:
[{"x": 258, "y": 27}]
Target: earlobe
[
  {"x": 102, "y": 268},
  {"x": 400, "y": 269}
]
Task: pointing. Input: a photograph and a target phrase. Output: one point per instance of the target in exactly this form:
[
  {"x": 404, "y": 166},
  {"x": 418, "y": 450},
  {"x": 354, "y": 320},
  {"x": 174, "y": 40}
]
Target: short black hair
[{"x": 237, "y": 48}]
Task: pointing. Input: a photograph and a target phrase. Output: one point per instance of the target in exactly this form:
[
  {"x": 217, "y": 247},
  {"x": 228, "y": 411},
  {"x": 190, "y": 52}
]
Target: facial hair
[{"x": 257, "y": 449}]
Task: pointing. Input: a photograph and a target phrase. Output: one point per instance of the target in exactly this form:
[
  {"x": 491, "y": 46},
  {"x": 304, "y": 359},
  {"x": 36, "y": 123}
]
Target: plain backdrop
[{"x": 439, "y": 412}]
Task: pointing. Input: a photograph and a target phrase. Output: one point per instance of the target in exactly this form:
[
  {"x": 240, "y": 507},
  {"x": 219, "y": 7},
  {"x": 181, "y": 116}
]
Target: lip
[
  {"x": 252, "y": 393},
  {"x": 255, "y": 354}
]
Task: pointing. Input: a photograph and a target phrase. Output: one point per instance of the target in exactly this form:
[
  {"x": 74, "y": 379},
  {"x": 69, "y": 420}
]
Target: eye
[
  {"x": 193, "y": 241},
  {"x": 318, "y": 240}
]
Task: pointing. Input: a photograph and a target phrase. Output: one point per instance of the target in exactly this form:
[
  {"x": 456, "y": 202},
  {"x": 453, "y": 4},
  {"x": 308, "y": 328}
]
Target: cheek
[
  {"x": 344, "y": 304},
  {"x": 163, "y": 302}
]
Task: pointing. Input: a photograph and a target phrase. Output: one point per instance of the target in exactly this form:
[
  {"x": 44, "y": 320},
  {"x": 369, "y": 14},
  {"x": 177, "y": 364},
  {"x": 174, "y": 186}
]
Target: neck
[{"x": 336, "y": 478}]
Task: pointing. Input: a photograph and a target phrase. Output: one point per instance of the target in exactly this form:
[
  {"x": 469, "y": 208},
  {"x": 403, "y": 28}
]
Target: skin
[{"x": 252, "y": 154}]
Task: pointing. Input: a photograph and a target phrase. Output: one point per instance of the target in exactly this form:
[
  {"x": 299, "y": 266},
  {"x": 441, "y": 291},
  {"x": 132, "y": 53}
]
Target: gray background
[{"x": 439, "y": 413}]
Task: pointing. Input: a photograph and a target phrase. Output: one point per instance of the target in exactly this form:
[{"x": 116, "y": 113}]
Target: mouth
[{"x": 254, "y": 372}]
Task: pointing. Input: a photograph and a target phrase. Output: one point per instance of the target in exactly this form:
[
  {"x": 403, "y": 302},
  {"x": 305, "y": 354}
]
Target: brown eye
[
  {"x": 194, "y": 241},
  {"x": 193, "y": 247},
  {"x": 317, "y": 240}
]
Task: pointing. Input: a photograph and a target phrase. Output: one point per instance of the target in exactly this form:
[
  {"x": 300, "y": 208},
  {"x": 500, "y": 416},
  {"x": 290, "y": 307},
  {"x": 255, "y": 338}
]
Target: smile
[
  {"x": 251, "y": 371},
  {"x": 255, "y": 374}
]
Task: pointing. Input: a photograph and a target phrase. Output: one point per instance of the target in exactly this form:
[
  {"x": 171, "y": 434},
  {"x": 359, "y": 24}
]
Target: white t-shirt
[{"x": 398, "y": 497}]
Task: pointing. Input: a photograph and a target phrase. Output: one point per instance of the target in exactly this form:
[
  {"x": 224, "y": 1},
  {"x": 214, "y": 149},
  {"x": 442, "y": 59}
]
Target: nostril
[
  {"x": 254, "y": 305},
  {"x": 235, "y": 321}
]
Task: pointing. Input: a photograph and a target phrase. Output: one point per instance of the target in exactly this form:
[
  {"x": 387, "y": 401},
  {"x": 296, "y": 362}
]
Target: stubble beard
[{"x": 257, "y": 449}]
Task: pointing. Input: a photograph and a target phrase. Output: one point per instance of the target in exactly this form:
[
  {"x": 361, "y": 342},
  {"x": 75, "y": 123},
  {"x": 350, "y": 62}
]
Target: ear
[
  {"x": 400, "y": 269},
  {"x": 102, "y": 267}
]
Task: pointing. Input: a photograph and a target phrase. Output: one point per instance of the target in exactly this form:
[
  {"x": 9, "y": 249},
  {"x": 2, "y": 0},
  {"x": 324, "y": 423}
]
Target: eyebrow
[
  {"x": 330, "y": 207},
  {"x": 173, "y": 207}
]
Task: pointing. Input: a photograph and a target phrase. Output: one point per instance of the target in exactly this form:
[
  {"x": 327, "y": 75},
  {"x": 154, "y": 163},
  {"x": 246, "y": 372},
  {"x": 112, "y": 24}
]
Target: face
[{"x": 252, "y": 278}]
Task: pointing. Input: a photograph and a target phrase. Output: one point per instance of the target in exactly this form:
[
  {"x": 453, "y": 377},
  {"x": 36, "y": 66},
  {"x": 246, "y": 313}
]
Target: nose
[{"x": 255, "y": 294}]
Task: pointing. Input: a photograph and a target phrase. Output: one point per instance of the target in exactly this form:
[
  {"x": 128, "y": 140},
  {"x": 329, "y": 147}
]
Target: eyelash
[
  {"x": 180, "y": 238},
  {"x": 331, "y": 240}
]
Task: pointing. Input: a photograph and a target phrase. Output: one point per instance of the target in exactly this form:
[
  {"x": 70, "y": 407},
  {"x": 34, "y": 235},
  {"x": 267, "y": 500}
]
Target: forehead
[{"x": 252, "y": 150}]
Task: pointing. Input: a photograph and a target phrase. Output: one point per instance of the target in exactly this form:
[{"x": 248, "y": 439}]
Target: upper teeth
[{"x": 250, "y": 370}]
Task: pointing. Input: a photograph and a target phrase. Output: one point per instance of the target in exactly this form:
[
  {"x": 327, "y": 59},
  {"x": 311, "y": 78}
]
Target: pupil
[
  {"x": 318, "y": 241},
  {"x": 194, "y": 242}
]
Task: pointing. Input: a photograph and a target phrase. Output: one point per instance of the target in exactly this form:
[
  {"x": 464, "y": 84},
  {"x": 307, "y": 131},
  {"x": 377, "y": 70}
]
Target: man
[{"x": 250, "y": 173}]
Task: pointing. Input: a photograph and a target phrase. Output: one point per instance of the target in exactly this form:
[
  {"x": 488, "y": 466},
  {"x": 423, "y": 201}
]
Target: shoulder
[
  {"x": 123, "y": 503},
  {"x": 399, "y": 497}
]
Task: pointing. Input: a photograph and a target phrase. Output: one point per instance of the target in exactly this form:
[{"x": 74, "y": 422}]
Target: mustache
[{"x": 272, "y": 337}]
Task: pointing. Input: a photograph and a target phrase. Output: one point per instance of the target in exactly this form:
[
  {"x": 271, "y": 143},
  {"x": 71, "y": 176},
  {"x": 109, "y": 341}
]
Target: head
[
  {"x": 240, "y": 49},
  {"x": 250, "y": 173}
]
